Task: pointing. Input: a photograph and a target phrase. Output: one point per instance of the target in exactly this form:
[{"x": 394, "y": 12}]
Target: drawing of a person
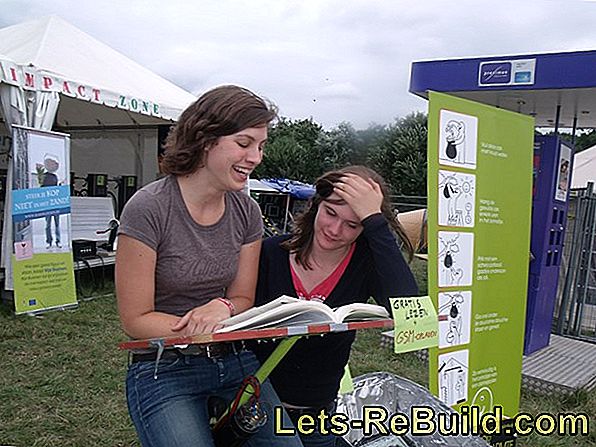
[
  {"x": 564, "y": 177},
  {"x": 459, "y": 387},
  {"x": 51, "y": 164},
  {"x": 455, "y": 134},
  {"x": 452, "y": 192}
]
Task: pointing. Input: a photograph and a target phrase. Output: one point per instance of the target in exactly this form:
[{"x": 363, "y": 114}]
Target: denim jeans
[
  {"x": 172, "y": 409},
  {"x": 56, "y": 218},
  {"x": 316, "y": 438}
]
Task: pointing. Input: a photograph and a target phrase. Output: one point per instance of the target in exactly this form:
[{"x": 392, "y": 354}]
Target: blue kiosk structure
[{"x": 559, "y": 91}]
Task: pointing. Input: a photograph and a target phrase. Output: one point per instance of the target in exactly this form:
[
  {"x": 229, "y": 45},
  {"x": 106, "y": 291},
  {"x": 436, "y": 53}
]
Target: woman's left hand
[
  {"x": 204, "y": 319},
  {"x": 364, "y": 196}
]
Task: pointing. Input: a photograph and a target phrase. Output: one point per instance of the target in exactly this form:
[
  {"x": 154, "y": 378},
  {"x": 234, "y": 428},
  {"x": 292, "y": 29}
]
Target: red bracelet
[{"x": 228, "y": 303}]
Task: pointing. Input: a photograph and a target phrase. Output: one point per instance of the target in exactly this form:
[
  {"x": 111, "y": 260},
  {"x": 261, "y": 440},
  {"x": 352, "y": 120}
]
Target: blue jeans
[
  {"x": 56, "y": 218},
  {"x": 172, "y": 409},
  {"x": 316, "y": 438}
]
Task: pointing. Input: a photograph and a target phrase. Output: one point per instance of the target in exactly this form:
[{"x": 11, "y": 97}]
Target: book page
[
  {"x": 360, "y": 312},
  {"x": 282, "y": 312},
  {"x": 286, "y": 311},
  {"x": 259, "y": 310}
]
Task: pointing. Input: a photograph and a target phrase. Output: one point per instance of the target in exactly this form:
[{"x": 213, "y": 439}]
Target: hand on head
[{"x": 364, "y": 196}]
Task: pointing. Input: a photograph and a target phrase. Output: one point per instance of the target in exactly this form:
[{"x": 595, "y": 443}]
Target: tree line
[{"x": 303, "y": 150}]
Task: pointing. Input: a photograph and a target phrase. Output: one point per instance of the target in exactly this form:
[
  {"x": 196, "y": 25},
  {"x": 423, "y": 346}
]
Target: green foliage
[
  {"x": 585, "y": 141},
  {"x": 582, "y": 141},
  {"x": 345, "y": 146},
  {"x": 399, "y": 155},
  {"x": 40, "y": 172},
  {"x": 295, "y": 149},
  {"x": 303, "y": 150}
]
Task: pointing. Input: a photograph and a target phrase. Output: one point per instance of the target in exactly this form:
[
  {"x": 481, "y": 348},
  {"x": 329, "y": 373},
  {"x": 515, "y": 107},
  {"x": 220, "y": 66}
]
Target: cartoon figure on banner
[
  {"x": 455, "y": 134},
  {"x": 458, "y": 138},
  {"x": 454, "y": 333},
  {"x": 454, "y": 313},
  {"x": 457, "y": 189},
  {"x": 453, "y": 377},
  {"x": 452, "y": 273},
  {"x": 483, "y": 399},
  {"x": 46, "y": 176}
]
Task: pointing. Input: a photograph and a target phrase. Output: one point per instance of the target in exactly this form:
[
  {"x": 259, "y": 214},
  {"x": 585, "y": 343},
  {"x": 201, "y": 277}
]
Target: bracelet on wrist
[{"x": 229, "y": 305}]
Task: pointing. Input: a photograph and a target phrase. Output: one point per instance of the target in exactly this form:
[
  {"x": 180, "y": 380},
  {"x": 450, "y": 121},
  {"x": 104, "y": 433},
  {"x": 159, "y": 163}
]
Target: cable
[{"x": 80, "y": 282}]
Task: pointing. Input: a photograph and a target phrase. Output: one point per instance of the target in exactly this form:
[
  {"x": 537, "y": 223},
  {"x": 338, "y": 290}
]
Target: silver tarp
[{"x": 396, "y": 395}]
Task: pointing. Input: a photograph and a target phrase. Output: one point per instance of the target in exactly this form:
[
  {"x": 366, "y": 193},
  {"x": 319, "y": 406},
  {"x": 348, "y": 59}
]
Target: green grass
[{"x": 62, "y": 379}]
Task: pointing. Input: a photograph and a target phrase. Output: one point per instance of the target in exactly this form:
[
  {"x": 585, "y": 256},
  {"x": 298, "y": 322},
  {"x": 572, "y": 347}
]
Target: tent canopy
[
  {"x": 584, "y": 168},
  {"x": 256, "y": 185},
  {"x": 294, "y": 188},
  {"x": 49, "y": 54},
  {"x": 533, "y": 84}
]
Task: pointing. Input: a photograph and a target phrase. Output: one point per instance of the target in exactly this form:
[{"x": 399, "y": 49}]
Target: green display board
[
  {"x": 41, "y": 259},
  {"x": 479, "y": 208},
  {"x": 416, "y": 325}
]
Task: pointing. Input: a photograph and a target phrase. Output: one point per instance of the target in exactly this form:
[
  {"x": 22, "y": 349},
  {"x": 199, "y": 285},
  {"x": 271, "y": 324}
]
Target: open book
[{"x": 286, "y": 311}]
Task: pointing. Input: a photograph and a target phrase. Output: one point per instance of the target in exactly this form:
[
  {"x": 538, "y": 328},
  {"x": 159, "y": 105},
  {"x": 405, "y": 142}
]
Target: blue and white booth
[{"x": 559, "y": 91}]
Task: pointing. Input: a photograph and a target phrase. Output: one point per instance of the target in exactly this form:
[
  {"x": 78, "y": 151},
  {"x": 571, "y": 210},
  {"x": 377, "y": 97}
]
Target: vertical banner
[
  {"x": 42, "y": 265},
  {"x": 479, "y": 206}
]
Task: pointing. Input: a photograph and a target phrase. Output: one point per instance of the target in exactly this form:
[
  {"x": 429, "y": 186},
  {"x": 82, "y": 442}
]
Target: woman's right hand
[
  {"x": 203, "y": 319},
  {"x": 364, "y": 196}
]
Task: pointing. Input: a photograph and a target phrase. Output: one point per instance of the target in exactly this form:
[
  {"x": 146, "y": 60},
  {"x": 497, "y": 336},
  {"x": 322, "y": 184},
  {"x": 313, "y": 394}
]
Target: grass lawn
[{"x": 62, "y": 379}]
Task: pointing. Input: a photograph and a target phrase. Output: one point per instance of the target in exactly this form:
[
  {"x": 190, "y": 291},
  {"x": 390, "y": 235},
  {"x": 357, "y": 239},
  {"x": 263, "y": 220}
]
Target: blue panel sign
[
  {"x": 495, "y": 73},
  {"x": 34, "y": 203},
  {"x": 522, "y": 77},
  {"x": 510, "y": 72}
]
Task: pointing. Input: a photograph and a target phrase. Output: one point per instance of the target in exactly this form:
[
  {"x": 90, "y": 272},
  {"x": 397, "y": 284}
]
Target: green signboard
[
  {"x": 479, "y": 207},
  {"x": 415, "y": 323},
  {"x": 42, "y": 264}
]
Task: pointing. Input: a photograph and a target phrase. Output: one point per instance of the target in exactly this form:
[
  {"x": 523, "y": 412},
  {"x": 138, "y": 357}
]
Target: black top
[
  {"x": 310, "y": 374},
  {"x": 49, "y": 179}
]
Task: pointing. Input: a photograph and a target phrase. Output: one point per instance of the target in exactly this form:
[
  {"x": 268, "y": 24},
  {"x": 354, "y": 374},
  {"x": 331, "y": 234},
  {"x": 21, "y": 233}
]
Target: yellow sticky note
[{"x": 416, "y": 325}]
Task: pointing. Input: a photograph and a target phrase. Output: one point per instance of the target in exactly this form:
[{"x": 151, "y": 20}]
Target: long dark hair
[
  {"x": 219, "y": 112},
  {"x": 302, "y": 236}
]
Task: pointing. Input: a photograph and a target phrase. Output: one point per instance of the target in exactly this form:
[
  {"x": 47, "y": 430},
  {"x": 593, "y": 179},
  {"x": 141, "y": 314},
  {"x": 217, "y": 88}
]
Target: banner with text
[
  {"x": 42, "y": 259},
  {"x": 479, "y": 207}
]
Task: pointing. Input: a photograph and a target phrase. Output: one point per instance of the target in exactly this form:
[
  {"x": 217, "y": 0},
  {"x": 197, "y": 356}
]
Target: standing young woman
[
  {"x": 187, "y": 258},
  {"x": 342, "y": 251}
]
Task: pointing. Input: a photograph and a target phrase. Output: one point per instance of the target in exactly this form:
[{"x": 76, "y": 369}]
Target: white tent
[
  {"x": 51, "y": 55},
  {"x": 53, "y": 76},
  {"x": 584, "y": 168}
]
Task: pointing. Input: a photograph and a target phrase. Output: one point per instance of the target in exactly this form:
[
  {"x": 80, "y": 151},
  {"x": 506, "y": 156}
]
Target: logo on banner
[
  {"x": 511, "y": 72},
  {"x": 523, "y": 77},
  {"x": 495, "y": 73}
]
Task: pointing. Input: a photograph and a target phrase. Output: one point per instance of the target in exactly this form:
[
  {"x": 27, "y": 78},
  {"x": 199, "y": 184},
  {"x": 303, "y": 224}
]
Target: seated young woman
[{"x": 342, "y": 250}]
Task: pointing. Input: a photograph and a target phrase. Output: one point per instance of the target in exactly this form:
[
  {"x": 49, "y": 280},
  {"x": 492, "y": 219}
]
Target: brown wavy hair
[
  {"x": 219, "y": 112},
  {"x": 300, "y": 243}
]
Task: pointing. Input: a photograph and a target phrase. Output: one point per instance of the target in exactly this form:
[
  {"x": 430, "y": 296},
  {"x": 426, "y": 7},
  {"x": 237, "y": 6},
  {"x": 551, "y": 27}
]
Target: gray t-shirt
[{"x": 195, "y": 263}]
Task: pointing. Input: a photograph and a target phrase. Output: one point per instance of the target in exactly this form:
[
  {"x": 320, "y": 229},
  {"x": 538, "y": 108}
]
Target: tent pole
[
  {"x": 557, "y": 119},
  {"x": 574, "y": 129},
  {"x": 287, "y": 212}
]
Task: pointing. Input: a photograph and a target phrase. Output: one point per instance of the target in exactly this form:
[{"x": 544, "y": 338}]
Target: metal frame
[{"x": 577, "y": 303}]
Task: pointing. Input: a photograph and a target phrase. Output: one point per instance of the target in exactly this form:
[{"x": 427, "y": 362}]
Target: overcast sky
[{"x": 332, "y": 60}]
